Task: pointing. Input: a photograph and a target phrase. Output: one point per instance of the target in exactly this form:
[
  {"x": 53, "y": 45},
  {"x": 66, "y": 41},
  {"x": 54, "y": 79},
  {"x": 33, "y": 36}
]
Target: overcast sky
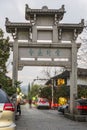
[{"x": 15, "y": 11}]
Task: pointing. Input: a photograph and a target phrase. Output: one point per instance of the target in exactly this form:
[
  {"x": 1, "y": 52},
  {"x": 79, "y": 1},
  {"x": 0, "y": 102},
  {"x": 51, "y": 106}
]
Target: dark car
[
  {"x": 63, "y": 108},
  {"x": 80, "y": 107}
]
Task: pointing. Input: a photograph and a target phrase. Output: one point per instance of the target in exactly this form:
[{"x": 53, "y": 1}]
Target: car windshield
[
  {"x": 83, "y": 102},
  {"x": 43, "y": 99},
  {"x": 3, "y": 97}
]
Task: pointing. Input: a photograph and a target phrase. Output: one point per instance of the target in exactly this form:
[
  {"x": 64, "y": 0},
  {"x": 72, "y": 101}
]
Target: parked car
[
  {"x": 7, "y": 112},
  {"x": 63, "y": 108},
  {"x": 43, "y": 103},
  {"x": 80, "y": 107}
]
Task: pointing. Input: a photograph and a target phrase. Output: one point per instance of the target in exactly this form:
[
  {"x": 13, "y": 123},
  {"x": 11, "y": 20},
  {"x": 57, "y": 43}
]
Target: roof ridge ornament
[
  {"x": 82, "y": 22},
  {"x": 45, "y": 8},
  {"x": 63, "y": 7},
  {"x": 7, "y": 21},
  {"x": 27, "y": 6}
]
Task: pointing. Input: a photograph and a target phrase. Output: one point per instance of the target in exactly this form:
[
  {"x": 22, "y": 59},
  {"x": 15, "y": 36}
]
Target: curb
[{"x": 80, "y": 118}]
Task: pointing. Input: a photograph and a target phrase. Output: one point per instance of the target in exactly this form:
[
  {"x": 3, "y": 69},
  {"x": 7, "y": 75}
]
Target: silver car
[{"x": 7, "y": 112}]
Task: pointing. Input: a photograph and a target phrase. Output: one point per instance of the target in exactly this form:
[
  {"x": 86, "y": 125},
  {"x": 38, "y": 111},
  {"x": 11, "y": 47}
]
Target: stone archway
[{"x": 48, "y": 43}]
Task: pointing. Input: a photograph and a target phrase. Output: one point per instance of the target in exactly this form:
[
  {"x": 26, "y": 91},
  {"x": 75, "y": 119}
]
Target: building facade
[{"x": 64, "y": 78}]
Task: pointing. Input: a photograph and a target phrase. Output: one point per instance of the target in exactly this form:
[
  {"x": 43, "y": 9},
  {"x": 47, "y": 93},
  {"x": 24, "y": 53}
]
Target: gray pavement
[{"x": 34, "y": 119}]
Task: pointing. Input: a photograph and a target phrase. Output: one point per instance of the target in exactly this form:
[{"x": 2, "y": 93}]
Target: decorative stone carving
[
  {"x": 75, "y": 34},
  {"x": 56, "y": 20},
  {"x": 45, "y": 8},
  {"x": 59, "y": 34}
]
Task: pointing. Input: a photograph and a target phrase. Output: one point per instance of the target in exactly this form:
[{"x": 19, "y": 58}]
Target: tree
[
  {"x": 4, "y": 55},
  {"x": 34, "y": 91},
  {"x": 49, "y": 72},
  {"x": 82, "y": 53},
  {"x": 82, "y": 91},
  {"x": 46, "y": 92},
  {"x": 62, "y": 91},
  {"x": 17, "y": 86},
  {"x": 7, "y": 84},
  {"x": 4, "y": 52}
]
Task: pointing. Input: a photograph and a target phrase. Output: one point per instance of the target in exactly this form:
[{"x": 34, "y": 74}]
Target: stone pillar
[
  {"x": 55, "y": 37},
  {"x": 34, "y": 34},
  {"x": 15, "y": 61},
  {"x": 73, "y": 77}
]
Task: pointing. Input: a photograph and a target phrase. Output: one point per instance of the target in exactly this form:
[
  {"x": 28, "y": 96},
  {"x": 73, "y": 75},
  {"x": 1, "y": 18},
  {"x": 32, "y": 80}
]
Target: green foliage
[
  {"x": 7, "y": 84},
  {"x": 4, "y": 52},
  {"x": 46, "y": 92},
  {"x": 17, "y": 83},
  {"x": 82, "y": 92},
  {"x": 10, "y": 90},
  {"x": 34, "y": 91},
  {"x": 62, "y": 91},
  {"x": 4, "y": 55},
  {"x": 17, "y": 86}
]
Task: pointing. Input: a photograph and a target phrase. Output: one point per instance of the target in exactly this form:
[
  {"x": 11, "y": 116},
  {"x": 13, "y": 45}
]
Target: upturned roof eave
[
  {"x": 44, "y": 11},
  {"x": 11, "y": 26},
  {"x": 70, "y": 26},
  {"x": 50, "y": 12}
]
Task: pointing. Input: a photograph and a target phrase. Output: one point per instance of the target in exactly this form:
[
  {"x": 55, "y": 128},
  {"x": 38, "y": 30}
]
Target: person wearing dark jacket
[{"x": 30, "y": 103}]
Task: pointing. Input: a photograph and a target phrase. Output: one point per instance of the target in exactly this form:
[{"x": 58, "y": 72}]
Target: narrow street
[{"x": 34, "y": 119}]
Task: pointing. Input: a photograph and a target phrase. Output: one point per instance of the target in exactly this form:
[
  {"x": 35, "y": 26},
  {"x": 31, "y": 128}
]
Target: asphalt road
[{"x": 34, "y": 119}]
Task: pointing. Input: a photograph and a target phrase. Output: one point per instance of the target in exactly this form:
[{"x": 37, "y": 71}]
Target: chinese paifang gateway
[{"x": 48, "y": 43}]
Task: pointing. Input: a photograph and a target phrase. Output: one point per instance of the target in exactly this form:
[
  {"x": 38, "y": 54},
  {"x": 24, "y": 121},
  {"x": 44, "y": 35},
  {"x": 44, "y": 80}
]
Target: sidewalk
[{"x": 22, "y": 121}]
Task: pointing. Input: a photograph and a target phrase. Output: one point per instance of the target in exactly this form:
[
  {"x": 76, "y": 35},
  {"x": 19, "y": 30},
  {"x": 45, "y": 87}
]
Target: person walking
[
  {"x": 18, "y": 104},
  {"x": 30, "y": 103}
]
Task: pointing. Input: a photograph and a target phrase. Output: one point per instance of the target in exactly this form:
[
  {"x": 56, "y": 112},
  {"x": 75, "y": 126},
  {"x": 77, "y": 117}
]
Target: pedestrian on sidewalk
[
  {"x": 18, "y": 104},
  {"x": 30, "y": 103}
]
